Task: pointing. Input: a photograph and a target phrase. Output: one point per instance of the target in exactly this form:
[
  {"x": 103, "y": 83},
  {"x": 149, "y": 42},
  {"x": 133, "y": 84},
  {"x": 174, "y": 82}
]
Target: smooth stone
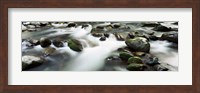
[
  {"x": 103, "y": 38},
  {"x": 162, "y": 28},
  {"x": 138, "y": 44},
  {"x": 44, "y": 42},
  {"x": 136, "y": 67},
  {"x": 135, "y": 59},
  {"x": 49, "y": 51},
  {"x": 29, "y": 62},
  {"x": 75, "y": 45},
  {"x": 171, "y": 37},
  {"x": 58, "y": 43},
  {"x": 71, "y": 25},
  {"x": 125, "y": 55},
  {"x": 160, "y": 68}
]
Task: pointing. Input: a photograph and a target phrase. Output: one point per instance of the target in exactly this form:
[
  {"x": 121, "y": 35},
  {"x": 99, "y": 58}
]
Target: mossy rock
[
  {"x": 75, "y": 45},
  {"x": 136, "y": 67},
  {"x": 135, "y": 60},
  {"x": 125, "y": 55}
]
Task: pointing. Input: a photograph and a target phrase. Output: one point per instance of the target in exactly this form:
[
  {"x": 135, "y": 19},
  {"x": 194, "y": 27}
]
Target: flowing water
[{"x": 92, "y": 58}]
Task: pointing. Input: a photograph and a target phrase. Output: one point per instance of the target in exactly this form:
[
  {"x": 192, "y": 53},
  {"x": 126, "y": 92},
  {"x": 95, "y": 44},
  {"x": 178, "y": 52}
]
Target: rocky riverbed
[{"x": 99, "y": 46}]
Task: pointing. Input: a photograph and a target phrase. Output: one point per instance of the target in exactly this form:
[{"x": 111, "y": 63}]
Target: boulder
[
  {"x": 75, "y": 45},
  {"x": 150, "y": 60},
  {"x": 103, "y": 38},
  {"x": 49, "y": 51},
  {"x": 58, "y": 43},
  {"x": 125, "y": 55},
  {"x": 135, "y": 59},
  {"x": 136, "y": 67},
  {"x": 29, "y": 62},
  {"x": 44, "y": 42},
  {"x": 171, "y": 37},
  {"x": 162, "y": 28},
  {"x": 138, "y": 44}
]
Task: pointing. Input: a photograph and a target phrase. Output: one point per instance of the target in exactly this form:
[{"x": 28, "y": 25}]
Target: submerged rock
[
  {"x": 49, "y": 51},
  {"x": 44, "y": 42},
  {"x": 161, "y": 28},
  {"x": 97, "y": 34},
  {"x": 136, "y": 67},
  {"x": 120, "y": 36},
  {"x": 138, "y": 44},
  {"x": 150, "y": 60},
  {"x": 113, "y": 60},
  {"x": 75, "y": 45},
  {"x": 171, "y": 37},
  {"x": 34, "y": 42},
  {"x": 31, "y": 61}
]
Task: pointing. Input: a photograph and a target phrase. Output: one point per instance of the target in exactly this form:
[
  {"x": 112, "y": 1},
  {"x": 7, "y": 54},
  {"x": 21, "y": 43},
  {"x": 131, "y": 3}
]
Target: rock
[
  {"x": 150, "y": 24},
  {"x": 153, "y": 37},
  {"x": 160, "y": 68},
  {"x": 26, "y": 23},
  {"x": 125, "y": 55},
  {"x": 85, "y": 25},
  {"x": 34, "y": 42},
  {"x": 136, "y": 67},
  {"x": 58, "y": 43},
  {"x": 29, "y": 62},
  {"x": 138, "y": 44},
  {"x": 106, "y": 35},
  {"x": 49, "y": 51},
  {"x": 175, "y": 23},
  {"x": 31, "y": 29},
  {"x": 44, "y": 23},
  {"x": 44, "y": 42},
  {"x": 130, "y": 35},
  {"x": 171, "y": 37},
  {"x": 140, "y": 54},
  {"x": 75, "y": 45},
  {"x": 103, "y": 38},
  {"x": 116, "y": 25},
  {"x": 100, "y": 27},
  {"x": 151, "y": 33},
  {"x": 113, "y": 60},
  {"x": 161, "y": 28},
  {"x": 31, "y": 26},
  {"x": 24, "y": 28},
  {"x": 119, "y": 36},
  {"x": 135, "y": 59},
  {"x": 97, "y": 34},
  {"x": 150, "y": 60},
  {"x": 71, "y": 25}
]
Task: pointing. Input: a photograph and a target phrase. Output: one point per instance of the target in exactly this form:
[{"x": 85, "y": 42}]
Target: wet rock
[
  {"x": 34, "y": 42},
  {"x": 58, "y": 43},
  {"x": 85, "y": 25},
  {"x": 31, "y": 26},
  {"x": 136, "y": 67},
  {"x": 31, "y": 62},
  {"x": 103, "y": 38},
  {"x": 150, "y": 24},
  {"x": 106, "y": 35},
  {"x": 151, "y": 33},
  {"x": 162, "y": 28},
  {"x": 171, "y": 37},
  {"x": 135, "y": 59},
  {"x": 138, "y": 44},
  {"x": 71, "y": 25},
  {"x": 24, "y": 28},
  {"x": 49, "y": 51},
  {"x": 125, "y": 55},
  {"x": 31, "y": 29},
  {"x": 174, "y": 29},
  {"x": 116, "y": 25},
  {"x": 44, "y": 42},
  {"x": 44, "y": 23},
  {"x": 113, "y": 60},
  {"x": 75, "y": 45},
  {"x": 100, "y": 27},
  {"x": 130, "y": 35},
  {"x": 160, "y": 68},
  {"x": 150, "y": 60},
  {"x": 153, "y": 37},
  {"x": 97, "y": 34},
  {"x": 140, "y": 54},
  {"x": 119, "y": 36},
  {"x": 175, "y": 23},
  {"x": 26, "y": 23}
]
